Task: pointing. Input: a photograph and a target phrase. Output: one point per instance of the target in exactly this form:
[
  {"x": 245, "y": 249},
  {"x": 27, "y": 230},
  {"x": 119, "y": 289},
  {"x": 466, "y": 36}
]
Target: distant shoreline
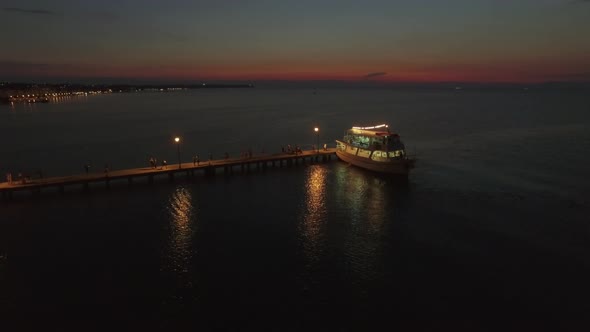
[
  {"x": 42, "y": 93},
  {"x": 11, "y": 92}
]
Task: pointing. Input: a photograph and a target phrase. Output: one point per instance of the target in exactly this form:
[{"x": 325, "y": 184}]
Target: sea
[{"x": 490, "y": 232}]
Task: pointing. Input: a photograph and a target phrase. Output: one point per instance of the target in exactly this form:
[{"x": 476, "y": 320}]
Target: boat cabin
[{"x": 378, "y": 139}]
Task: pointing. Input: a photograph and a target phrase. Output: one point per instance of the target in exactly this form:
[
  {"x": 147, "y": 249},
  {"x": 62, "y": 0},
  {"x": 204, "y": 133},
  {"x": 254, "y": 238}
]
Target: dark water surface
[{"x": 493, "y": 225}]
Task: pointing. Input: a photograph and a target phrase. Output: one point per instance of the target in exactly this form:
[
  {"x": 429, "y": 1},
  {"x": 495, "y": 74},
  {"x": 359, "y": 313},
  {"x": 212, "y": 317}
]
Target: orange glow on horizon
[{"x": 525, "y": 72}]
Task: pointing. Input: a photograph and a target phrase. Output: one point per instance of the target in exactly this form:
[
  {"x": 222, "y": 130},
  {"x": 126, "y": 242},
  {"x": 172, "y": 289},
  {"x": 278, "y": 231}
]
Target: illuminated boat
[{"x": 376, "y": 149}]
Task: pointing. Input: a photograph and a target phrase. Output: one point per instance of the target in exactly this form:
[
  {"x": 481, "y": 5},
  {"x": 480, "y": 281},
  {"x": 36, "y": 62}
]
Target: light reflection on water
[
  {"x": 307, "y": 243},
  {"x": 352, "y": 243},
  {"x": 314, "y": 215},
  {"x": 362, "y": 196},
  {"x": 351, "y": 190},
  {"x": 377, "y": 204},
  {"x": 362, "y": 193},
  {"x": 182, "y": 228}
]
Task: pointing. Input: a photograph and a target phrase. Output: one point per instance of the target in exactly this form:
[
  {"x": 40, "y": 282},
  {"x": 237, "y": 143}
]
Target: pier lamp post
[
  {"x": 177, "y": 140},
  {"x": 317, "y": 135}
]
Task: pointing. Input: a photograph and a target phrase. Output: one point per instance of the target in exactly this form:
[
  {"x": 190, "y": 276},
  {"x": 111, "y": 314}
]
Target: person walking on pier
[
  {"x": 325, "y": 147},
  {"x": 164, "y": 164},
  {"x": 195, "y": 160},
  {"x": 106, "y": 170},
  {"x": 210, "y": 158}
]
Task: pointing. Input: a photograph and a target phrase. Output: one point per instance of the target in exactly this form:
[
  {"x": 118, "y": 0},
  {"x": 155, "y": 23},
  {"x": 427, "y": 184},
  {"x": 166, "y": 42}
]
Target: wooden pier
[{"x": 207, "y": 167}]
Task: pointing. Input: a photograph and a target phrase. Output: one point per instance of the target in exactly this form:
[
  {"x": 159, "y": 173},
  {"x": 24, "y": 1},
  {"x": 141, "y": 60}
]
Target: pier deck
[{"x": 228, "y": 165}]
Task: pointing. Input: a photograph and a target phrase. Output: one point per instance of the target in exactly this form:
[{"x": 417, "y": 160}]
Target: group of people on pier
[
  {"x": 290, "y": 150},
  {"x": 21, "y": 178},
  {"x": 297, "y": 150},
  {"x": 88, "y": 166},
  {"x": 244, "y": 154},
  {"x": 154, "y": 163}
]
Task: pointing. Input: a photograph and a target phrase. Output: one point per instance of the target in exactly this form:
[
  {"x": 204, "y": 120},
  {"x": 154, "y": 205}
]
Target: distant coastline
[
  {"x": 42, "y": 93},
  {"x": 11, "y": 92}
]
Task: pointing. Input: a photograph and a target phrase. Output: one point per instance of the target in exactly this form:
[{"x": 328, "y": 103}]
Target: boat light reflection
[{"x": 363, "y": 199}]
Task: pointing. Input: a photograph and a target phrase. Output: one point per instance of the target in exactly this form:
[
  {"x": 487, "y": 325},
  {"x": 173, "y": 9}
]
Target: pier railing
[{"x": 190, "y": 169}]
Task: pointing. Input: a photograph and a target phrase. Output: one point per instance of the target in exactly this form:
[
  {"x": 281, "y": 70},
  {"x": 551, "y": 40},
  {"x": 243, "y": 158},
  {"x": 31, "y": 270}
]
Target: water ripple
[{"x": 180, "y": 242}]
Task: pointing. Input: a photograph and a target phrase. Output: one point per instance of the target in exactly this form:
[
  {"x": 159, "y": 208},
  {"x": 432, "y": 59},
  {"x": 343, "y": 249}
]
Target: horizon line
[{"x": 144, "y": 81}]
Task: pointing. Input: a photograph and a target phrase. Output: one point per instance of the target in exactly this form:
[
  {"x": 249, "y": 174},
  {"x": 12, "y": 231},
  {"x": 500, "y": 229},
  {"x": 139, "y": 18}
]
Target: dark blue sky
[{"x": 421, "y": 40}]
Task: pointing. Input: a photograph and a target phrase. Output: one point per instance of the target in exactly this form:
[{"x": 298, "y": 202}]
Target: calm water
[{"x": 493, "y": 224}]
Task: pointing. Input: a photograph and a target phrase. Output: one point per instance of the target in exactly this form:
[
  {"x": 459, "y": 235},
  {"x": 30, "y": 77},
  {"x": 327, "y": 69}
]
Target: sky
[{"x": 252, "y": 40}]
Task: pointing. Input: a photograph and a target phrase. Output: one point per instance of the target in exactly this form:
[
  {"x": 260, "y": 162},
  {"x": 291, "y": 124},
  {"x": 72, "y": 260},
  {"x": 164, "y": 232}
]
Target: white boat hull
[{"x": 400, "y": 166}]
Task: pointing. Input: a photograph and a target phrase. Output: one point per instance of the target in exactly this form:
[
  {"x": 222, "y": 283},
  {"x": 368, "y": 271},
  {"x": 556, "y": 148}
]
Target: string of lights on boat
[{"x": 373, "y": 127}]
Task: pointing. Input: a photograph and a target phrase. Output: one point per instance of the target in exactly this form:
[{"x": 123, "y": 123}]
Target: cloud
[
  {"x": 29, "y": 11},
  {"x": 376, "y": 74}
]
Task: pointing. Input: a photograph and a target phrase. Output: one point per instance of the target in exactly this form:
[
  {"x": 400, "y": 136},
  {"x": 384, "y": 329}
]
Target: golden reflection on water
[
  {"x": 67, "y": 99},
  {"x": 180, "y": 207},
  {"x": 364, "y": 198},
  {"x": 315, "y": 211},
  {"x": 377, "y": 204},
  {"x": 363, "y": 194}
]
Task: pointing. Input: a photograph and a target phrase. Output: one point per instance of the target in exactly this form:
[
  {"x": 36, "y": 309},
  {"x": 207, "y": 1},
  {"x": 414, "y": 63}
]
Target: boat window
[
  {"x": 396, "y": 154},
  {"x": 364, "y": 153},
  {"x": 379, "y": 156}
]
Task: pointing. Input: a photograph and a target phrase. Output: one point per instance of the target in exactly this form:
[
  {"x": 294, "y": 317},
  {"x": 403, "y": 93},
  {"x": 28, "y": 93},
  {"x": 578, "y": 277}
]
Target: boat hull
[{"x": 392, "y": 166}]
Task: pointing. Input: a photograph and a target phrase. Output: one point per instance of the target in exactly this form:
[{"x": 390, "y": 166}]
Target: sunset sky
[{"x": 384, "y": 40}]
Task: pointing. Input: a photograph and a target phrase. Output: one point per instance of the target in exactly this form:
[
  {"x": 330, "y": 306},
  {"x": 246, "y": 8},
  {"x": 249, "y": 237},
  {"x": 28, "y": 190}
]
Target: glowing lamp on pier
[
  {"x": 177, "y": 140},
  {"x": 317, "y": 134}
]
